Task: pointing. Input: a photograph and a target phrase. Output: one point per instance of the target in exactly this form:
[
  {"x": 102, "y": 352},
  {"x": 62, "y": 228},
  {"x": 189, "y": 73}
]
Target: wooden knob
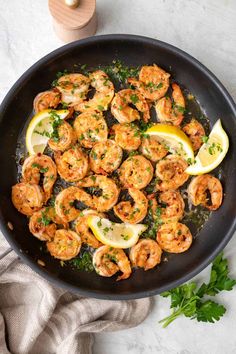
[{"x": 71, "y": 24}]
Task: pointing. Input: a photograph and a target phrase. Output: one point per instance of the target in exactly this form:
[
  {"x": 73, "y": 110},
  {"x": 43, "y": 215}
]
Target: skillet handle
[{"x": 5, "y": 253}]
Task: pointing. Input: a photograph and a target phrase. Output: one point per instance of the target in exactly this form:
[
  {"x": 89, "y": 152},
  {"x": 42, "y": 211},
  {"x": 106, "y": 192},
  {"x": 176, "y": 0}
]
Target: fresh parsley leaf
[
  {"x": 209, "y": 311},
  {"x": 219, "y": 279}
]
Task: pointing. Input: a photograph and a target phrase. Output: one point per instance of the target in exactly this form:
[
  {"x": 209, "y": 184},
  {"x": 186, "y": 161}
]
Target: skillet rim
[{"x": 94, "y": 293}]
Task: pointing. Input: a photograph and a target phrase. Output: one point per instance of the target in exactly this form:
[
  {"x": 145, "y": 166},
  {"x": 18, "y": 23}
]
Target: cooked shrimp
[
  {"x": 197, "y": 191},
  {"x": 195, "y": 131},
  {"x": 27, "y": 198},
  {"x": 108, "y": 198},
  {"x": 174, "y": 237},
  {"x": 65, "y": 245},
  {"x": 123, "y": 112},
  {"x": 153, "y": 149},
  {"x": 72, "y": 165},
  {"x": 103, "y": 95},
  {"x": 82, "y": 228},
  {"x": 64, "y": 204},
  {"x": 171, "y": 112},
  {"x": 107, "y": 261},
  {"x": 47, "y": 99},
  {"x": 170, "y": 172},
  {"x": 153, "y": 82},
  {"x": 90, "y": 127},
  {"x": 66, "y": 137},
  {"x": 127, "y": 136},
  {"x": 132, "y": 213},
  {"x": 43, "y": 223},
  {"x": 105, "y": 157},
  {"x": 174, "y": 206},
  {"x": 73, "y": 88},
  {"x": 40, "y": 164},
  {"x": 136, "y": 172},
  {"x": 145, "y": 254}
]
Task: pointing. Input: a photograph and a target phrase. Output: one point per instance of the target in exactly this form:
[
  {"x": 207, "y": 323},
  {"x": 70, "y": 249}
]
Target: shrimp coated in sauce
[
  {"x": 145, "y": 254},
  {"x": 195, "y": 132},
  {"x": 123, "y": 112},
  {"x": 65, "y": 245},
  {"x": 44, "y": 223},
  {"x": 83, "y": 230},
  {"x": 105, "y": 157},
  {"x": 72, "y": 165},
  {"x": 36, "y": 165},
  {"x": 174, "y": 206},
  {"x": 27, "y": 198},
  {"x": 127, "y": 136},
  {"x": 47, "y": 99},
  {"x": 65, "y": 139},
  {"x": 153, "y": 82},
  {"x": 152, "y": 149},
  {"x": 172, "y": 112},
  {"x": 108, "y": 198},
  {"x": 73, "y": 88},
  {"x": 171, "y": 173},
  {"x": 132, "y": 213},
  {"x": 90, "y": 128},
  {"x": 64, "y": 203},
  {"x": 136, "y": 172},
  {"x": 174, "y": 237},
  {"x": 107, "y": 261},
  {"x": 103, "y": 95},
  {"x": 198, "y": 188}
]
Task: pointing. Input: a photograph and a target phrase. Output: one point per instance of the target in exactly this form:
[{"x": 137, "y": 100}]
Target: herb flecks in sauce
[
  {"x": 119, "y": 72},
  {"x": 83, "y": 263}
]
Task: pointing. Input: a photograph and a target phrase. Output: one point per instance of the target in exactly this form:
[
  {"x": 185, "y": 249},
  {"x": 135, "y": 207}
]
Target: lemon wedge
[
  {"x": 40, "y": 128},
  {"x": 115, "y": 235},
  {"x": 174, "y": 139},
  {"x": 212, "y": 152}
]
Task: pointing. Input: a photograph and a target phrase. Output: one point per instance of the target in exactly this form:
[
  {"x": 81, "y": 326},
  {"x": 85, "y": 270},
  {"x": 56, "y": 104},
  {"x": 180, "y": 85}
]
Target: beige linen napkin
[{"x": 37, "y": 318}]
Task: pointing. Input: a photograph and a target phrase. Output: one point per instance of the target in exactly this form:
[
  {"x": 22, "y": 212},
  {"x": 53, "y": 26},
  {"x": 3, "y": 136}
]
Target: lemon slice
[
  {"x": 40, "y": 128},
  {"x": 115, "y": 235},
  {"x": 212, "y": 152},
  {"x": 174, "y": 139}
]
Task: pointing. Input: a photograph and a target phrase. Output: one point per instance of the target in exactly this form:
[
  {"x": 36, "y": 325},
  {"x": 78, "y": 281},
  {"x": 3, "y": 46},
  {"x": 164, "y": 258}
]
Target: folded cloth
[{"x": 37, "y": 318}]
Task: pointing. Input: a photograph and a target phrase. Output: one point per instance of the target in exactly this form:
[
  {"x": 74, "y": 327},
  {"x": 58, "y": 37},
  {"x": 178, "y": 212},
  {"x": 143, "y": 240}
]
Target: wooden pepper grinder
[{"x": 73, "y": 19}]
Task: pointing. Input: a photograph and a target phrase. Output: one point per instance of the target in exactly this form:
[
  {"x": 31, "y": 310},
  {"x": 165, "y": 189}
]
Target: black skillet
[{"x": 134, "y": 51}]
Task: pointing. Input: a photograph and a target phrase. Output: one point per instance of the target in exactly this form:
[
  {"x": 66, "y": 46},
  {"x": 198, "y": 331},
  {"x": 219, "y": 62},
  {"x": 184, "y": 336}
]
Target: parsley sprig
[{"x": 188, "y": 300}]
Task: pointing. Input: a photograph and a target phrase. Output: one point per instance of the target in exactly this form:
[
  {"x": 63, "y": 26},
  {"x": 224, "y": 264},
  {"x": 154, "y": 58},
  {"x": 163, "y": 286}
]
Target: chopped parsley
[
  {"x": 125, "y": 237},
  {"x": 119, "y": 72},
  {"x": 153, "y": 86},
  {"x": 84, "y": 262},
  {"x": 99, "y": 223},
  {"x": 44, "y": 170},
  {"x": 205, "y": 139},
  {"x": 58, "y": 75},
  {"x": 56, "y": 122},
  {"x": 45, "y": 219},
  {"x": 134, "y": 98},
  {"x": 41, "y": 169},
  {"x": 101, "y": 108}
]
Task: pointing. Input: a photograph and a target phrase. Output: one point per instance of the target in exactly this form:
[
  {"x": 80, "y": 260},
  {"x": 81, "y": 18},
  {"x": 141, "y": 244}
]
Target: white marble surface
[{"x": 205, "y": 29}]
